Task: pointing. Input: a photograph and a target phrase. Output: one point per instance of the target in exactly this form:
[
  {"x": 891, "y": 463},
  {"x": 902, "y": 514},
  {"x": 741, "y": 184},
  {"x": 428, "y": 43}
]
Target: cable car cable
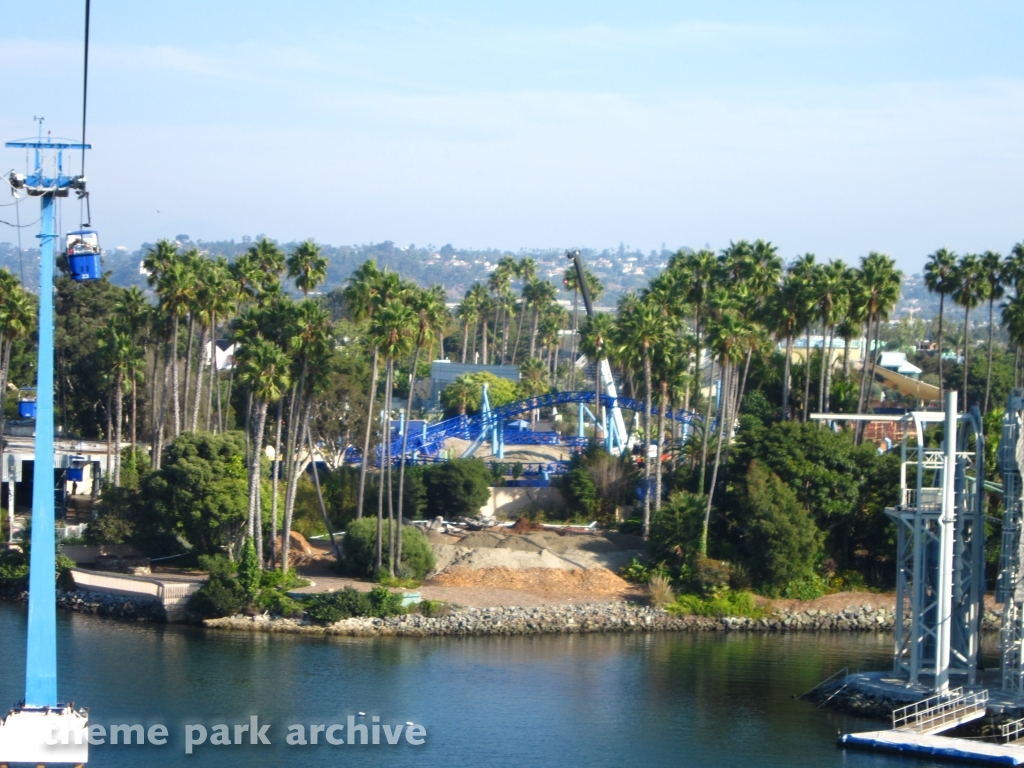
[{"x": 83, "y": 197}]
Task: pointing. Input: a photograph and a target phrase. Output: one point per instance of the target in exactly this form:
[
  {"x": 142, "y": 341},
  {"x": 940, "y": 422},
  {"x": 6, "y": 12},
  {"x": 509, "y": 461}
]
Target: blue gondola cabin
[
  {"x": 27, "y": 404},
  {"x": 84, "y": 255}
]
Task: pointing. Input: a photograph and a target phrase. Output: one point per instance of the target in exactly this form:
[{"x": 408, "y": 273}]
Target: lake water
[{"x": 677, "y": 700}]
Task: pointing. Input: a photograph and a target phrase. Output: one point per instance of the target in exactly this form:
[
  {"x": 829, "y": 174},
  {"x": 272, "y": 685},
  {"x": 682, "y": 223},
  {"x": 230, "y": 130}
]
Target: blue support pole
[{"x": 41, "y": 652}]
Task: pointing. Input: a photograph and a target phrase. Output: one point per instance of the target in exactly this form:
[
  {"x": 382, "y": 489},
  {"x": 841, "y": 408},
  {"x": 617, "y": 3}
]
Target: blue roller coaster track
[{"x": 472, "y": 428}]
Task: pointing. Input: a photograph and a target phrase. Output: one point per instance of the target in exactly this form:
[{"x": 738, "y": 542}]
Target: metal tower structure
[
  {"x": 27, "y": 734},
  {"x": 940, "y": 579},
  {"x": 1010, "y": 586}
]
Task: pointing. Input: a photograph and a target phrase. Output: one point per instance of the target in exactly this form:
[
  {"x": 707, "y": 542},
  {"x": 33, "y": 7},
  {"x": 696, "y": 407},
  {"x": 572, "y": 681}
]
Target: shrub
[
  {"x": 732, "y": 604},
  {"x": 641, "y": 573},
  {"x": 329, "y": 607},
  {"x": 580, "y": 493},
  {"x": 805, "y": 588},
  {"x": 457, "y": 488},
  {"x": 433, "y": 608},
  {"x": 249, "y": 570},
  {"x": 219, "y": 596},
  {"x": 711, "y": 576},
  {"x": 359, "y": 547},
  {"x": 660, "y": 590},
  {"x": 676, "y": 528}
]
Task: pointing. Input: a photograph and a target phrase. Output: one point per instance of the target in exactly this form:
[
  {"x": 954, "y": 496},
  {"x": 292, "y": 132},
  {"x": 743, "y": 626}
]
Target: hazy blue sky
[{"x": 825, "y": 127}]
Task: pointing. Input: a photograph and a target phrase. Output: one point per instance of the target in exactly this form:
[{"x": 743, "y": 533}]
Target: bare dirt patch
[{"x": 546, "y": 582}]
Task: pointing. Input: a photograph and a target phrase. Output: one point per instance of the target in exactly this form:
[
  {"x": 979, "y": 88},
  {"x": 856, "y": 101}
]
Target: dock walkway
[{"x": 908, "y": 742}]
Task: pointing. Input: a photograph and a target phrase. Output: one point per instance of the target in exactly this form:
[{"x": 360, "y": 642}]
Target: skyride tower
[{"x": 41, "y": 729}]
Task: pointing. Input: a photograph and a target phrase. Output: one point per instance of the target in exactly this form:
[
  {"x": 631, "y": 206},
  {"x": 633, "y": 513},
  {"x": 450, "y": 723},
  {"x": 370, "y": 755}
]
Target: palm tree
[
  {"x": 968, "y": 292},
  {"x": 469, "y": 312},
  {"x": 805, "y": 275},
  {"x": 131, "y": 312},
  {"x": 1013, "y": 321},
  {"x": 992, "y": 268},
  {"x": 938, "y": 276},
  {"x": 644, "y": 328},
  {"x": 308, "y": 266},
  {"x": 361, "y": 296},
  {"x": 784, "y": 309},
  {"x": 392, "y": 330},
  {"x": 176, "y": 289},
  {"x": 423, "y": 304},
  {"x": 727, "y": 336},
  {"x": 832, "y": 303},
  {"x": 596, "y": 335},
  {"x": 533, "y": 375},
  {"x": 263, "y": 368},
  {"x": 308, "y": 338},
  {"x": 877, "y": 290},
  {"x": 538, "y": 294},
  {"x": 526, "y": 270},
  {"x": 120, "y": 361}
]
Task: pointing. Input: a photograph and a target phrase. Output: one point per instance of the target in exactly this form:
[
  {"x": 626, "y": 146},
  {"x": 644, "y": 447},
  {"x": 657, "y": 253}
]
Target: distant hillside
[{"x": 456, "y": 269}]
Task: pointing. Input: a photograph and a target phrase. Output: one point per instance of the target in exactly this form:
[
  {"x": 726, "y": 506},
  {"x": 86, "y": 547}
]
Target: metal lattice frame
[
  {"x": 940, "y": 551},
  {"x": 1009, "y": 589}
]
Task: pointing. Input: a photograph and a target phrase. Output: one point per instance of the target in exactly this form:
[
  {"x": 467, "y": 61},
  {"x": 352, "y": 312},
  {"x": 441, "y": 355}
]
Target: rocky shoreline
[
  {"x": 573, "y": 619},
  {"x": 99, "y": 604}
]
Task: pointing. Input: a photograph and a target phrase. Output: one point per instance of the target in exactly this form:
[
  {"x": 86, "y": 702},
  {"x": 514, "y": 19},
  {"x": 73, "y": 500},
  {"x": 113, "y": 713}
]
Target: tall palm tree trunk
[
  {"x": 175, "y": 389},
  {"x": 787, "y": 377},
  {"x": 289, "y": 503},
  {"x": 647, "y": 440},
  {"x": 275, "y": 478},
  {"x": 158, "y": 427},
  {"x": 661, "y": 437},
  {"x": 194, "y": 423},
  {"x": 320, "y": 496},
  {"x": 384, "y": 430},
  {"x": 706, "y": 433},
  {"x": 826, "y": 358},
  {"x": 967, "y": 345},
  {"x": 807, "y": 375},
  {"x": 533, "y": 332},
  {"x": 465, "y": 340},
  {"x": 118, "y": 415},
  {"x": 483, "y": 336},
  {"x": 988, "y": 375},
  {"x": 519, "y": 333},
  {"x": 727, "y": 369},
  {"x": 188, "y": 367},
  {"x": 942, "y": 384},
  {"x": 405, "y": 444},
  {"x": 135, "y": 413},
  {"x": 829, "y": 369},
  {"x": 366, "y": 439},
  {"x": 255, "y": 467},
  {"x": 387, "y": 452}
]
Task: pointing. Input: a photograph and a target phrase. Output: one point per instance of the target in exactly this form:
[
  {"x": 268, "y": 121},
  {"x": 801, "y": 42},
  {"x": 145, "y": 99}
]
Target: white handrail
[{"x": 940, "y": 710}]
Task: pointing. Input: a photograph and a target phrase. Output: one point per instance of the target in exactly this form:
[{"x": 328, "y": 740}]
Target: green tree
[
  {"x": 457, "y": 488},
  {"x": 200, "y": 491},
  {"x": 992, "y": 271},
  {"x": 780, "y": 540}
]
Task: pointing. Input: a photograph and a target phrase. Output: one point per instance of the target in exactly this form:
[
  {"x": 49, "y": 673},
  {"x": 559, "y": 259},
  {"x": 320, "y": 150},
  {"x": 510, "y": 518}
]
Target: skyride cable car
[{"x": 83, "y": 251}]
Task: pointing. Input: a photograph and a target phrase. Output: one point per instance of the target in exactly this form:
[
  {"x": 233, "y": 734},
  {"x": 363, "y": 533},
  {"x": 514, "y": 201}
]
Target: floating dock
[{"x": 924, "y": 744}]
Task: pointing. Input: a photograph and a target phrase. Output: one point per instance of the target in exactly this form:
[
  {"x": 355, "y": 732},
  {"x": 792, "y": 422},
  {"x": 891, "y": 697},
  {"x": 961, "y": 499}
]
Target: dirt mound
[
  {"x": 547, "y": 582},
  {"x": 296, "y": 543},
  {"x": 480, "y": 540},
  {"x": 525, "y": 525},
  {"x": 521, "y": 544}
]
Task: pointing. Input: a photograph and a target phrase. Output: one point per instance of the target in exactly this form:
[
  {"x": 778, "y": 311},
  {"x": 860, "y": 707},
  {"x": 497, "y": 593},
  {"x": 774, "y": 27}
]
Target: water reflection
[{"x": 706, "y": 699}]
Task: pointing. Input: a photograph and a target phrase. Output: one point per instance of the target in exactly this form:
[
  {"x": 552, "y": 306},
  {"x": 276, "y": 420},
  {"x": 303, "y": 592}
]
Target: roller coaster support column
[{"x": 947, "y": 522}]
